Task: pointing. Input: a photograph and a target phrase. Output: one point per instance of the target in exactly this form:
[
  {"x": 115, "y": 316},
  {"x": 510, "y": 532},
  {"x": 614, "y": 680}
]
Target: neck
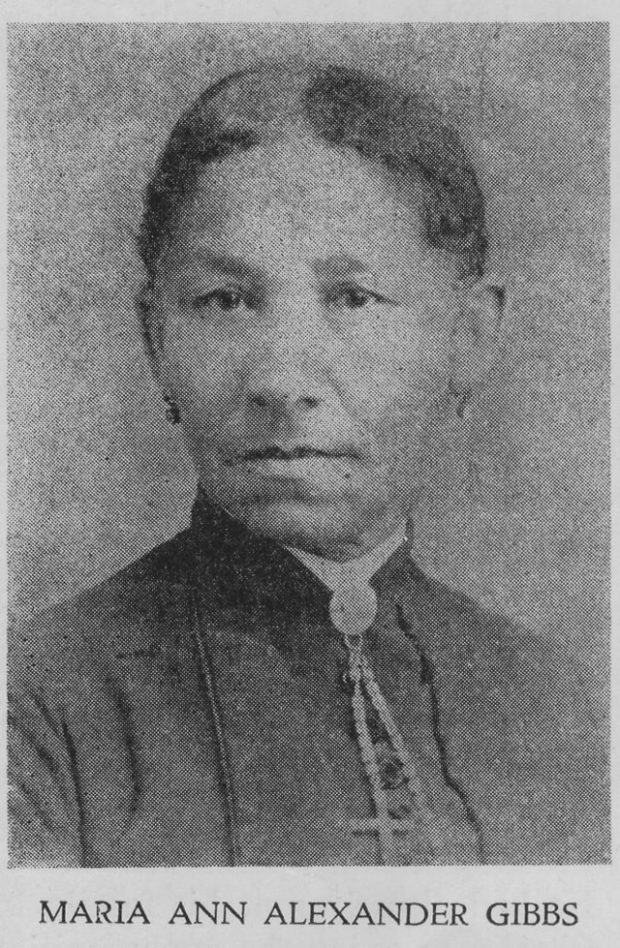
[
  {"x": 339, "y": 550},
  {"x": 343, "y": 552}
]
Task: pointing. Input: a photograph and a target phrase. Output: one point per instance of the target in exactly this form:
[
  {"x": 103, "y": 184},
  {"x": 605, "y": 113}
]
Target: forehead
[{"x": 298, "y": 197}]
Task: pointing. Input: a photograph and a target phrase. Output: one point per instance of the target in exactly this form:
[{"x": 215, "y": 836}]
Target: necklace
[{"x": 352, "y": 610}]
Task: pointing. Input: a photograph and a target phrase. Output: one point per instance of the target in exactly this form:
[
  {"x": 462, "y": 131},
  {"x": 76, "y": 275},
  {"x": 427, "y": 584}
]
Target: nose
[
  {"x": 291, "y": 374},
  {"x": 281, "y": 388}
]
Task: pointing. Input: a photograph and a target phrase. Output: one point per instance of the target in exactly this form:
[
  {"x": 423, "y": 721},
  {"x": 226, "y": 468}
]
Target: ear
[
  {"x": 151, "y": 331},
  {"x": 476, "y": 332}
]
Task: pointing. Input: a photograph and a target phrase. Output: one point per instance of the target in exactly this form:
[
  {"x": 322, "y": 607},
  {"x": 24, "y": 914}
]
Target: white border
[
  {"x": 320, "y": 11},
  {"x": 595, "y": 888}
]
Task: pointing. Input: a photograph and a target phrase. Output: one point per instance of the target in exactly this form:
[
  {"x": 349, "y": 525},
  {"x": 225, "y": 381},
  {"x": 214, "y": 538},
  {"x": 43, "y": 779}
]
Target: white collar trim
[{"x": 355, "y": 572}]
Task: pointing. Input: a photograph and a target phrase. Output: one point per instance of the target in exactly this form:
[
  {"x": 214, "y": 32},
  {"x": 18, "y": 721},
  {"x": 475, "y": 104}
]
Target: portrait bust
[{"x": 280, "y": 683}]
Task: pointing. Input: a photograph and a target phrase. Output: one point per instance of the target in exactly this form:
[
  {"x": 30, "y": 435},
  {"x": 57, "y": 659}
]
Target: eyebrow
[
  {"x": 339, "y": 264},
  {"x": 226, "y": 263}
]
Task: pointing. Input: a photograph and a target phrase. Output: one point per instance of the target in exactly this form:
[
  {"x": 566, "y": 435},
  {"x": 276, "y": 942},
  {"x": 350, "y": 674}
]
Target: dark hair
[{"x": 400, "y": 130}]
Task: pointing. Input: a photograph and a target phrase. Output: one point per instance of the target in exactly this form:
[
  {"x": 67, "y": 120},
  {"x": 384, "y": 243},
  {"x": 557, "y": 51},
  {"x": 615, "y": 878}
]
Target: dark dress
[{"x": 192, "y": 710}]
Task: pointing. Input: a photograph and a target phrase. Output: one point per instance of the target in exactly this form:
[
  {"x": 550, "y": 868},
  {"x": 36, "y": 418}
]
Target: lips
[
  {"x": 278, "y": 453},
  {"x": 300, "y": 472}
]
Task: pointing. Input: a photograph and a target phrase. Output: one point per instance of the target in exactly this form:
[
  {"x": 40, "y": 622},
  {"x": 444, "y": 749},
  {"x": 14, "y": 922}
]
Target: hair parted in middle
[{"x": 400, "y": 130}]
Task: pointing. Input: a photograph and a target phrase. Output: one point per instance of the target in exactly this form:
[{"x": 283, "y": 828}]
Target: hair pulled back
[{"x": 401, "y": 130}]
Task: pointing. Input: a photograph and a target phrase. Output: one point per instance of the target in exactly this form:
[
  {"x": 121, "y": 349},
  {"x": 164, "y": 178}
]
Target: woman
[{"x": 279, "y": 684}]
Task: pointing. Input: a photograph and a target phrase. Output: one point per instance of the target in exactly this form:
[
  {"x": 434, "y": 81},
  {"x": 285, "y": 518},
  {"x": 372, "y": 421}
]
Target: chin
[{"x": 310, "y": 526}]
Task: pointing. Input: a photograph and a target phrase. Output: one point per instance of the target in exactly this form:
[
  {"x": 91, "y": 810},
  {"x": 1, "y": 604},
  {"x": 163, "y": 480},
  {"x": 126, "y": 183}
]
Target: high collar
[
  {"x": 245, "y": 568},
  {"x": 354, "y": 572}
]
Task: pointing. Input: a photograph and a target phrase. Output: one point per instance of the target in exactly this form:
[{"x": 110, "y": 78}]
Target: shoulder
[
  {"x": 490, "y": 661},
  {"x": 524, "y": 729},
  {"x": 126, "y": 611},
  {"x": 531, "y": 728}
]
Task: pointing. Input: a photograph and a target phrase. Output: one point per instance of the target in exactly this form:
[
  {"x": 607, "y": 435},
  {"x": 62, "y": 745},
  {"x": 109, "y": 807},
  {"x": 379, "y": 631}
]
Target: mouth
[
  {"x": 297, "y": 453},
  {"x": 302, "y": 467}
]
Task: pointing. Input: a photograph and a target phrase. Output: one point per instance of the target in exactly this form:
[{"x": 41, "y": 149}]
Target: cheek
[
  {"x": 403, "y": 372},
  {"x": 198, "y": 372}
]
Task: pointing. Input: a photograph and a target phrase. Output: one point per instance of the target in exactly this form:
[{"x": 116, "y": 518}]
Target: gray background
[{"x": 518, "y": 512}]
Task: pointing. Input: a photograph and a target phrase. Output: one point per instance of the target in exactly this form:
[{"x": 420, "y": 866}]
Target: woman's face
[{"x": 305, "y": 340}]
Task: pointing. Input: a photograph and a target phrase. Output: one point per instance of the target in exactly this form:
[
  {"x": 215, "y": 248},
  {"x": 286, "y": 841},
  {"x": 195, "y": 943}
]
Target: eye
[
  {"x": 353, "y": 297},
  {"x": 222, "y": 299}
]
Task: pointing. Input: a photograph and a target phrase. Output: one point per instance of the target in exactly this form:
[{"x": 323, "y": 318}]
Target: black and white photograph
[{"x": 308, "y": 444}]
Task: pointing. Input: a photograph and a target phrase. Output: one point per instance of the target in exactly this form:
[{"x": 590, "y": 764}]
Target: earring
[
  {"x": 462, "y": 398},
  {"x": 173, "y": 414}
]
